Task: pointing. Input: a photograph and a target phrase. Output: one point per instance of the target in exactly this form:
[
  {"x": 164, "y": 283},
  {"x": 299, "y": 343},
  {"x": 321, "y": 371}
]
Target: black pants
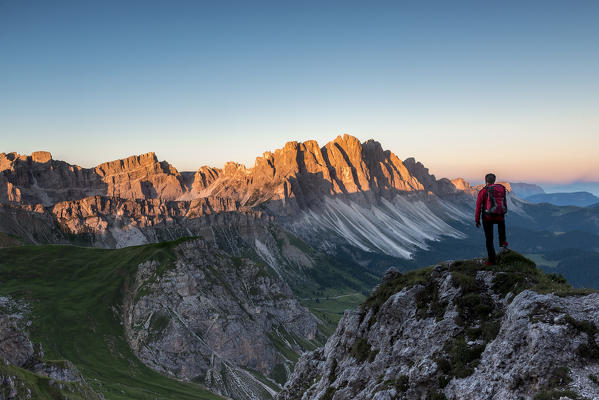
[{"x": 488, "y": 227}]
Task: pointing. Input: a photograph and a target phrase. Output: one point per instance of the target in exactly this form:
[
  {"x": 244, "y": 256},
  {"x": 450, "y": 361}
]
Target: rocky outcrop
[
  {"x": 38, "y": 179},
  {"x": 461, "y": 184},
  {"x": 15, "y": 346},
  {"x": 204, "y": 178},
  {"x": 227, "y": 322},
  {"x": 441, "y": 187},
  {"x": 460, "y": 331},
  {"x": 24, "y": 374},
  {"x": 141, "y": 177}
]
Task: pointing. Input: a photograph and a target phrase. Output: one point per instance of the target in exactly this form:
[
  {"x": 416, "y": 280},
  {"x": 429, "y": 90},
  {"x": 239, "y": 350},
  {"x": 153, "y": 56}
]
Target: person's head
[{"x": 490, "y": 179}]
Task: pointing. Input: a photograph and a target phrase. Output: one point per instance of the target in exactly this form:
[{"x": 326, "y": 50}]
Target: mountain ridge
[{"x": 345, "y": 164}]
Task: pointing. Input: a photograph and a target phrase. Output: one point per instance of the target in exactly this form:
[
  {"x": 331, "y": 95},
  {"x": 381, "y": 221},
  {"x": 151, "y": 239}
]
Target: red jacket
[{"x": 480, "y": 201}]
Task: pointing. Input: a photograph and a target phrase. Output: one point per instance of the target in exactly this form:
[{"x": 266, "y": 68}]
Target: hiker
[{"x": 492, "y": 204}]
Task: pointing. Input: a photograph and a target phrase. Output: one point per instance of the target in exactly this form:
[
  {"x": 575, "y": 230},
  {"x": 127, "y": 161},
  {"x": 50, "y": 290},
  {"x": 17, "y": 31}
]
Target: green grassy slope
[
  {"x": 30, "y": 385},
  {"x": 76, "y": 294},
  {"x": 329, "y": 306}
]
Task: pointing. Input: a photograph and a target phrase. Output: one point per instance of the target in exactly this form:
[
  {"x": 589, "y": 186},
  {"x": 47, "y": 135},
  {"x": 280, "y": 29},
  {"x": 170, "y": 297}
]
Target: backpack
[{"x": 496, "y": 202}]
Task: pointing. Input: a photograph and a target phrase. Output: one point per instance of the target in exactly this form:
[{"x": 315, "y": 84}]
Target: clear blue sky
[{"x": 207, "y": 82}]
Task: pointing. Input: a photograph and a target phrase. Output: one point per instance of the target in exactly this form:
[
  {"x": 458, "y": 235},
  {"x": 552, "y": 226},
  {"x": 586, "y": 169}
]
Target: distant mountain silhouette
[
  {"x": 580, "y": 199},
  {"x": 524, "y": 190}
]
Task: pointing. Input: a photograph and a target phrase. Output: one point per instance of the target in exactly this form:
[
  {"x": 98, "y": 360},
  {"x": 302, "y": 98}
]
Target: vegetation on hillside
[{"x": 75, "y": 295}]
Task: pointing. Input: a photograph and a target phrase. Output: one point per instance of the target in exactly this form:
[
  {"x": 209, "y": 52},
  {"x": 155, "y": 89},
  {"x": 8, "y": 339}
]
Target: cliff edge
[{"x": 460, "y": 330}]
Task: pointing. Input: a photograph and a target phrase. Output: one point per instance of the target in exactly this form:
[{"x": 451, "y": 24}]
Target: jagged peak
[
  {"x": 291, "y": 146},
  {"x": 232, "y": 167},
  {"x": 310, "y": 144},
  {"x": 208, "y": 168},
  {"x": 128, "y": 162},
  {"x": 375, "y": 148},
  {"x": 346, "y": 142},
  {"x": 372, "y": 142},
  {"x": 412, "y": 160},
  {"x": 41, "y": 156},
  {"x": 461, "y": 184},
  {"x": 346, "y": 138}
]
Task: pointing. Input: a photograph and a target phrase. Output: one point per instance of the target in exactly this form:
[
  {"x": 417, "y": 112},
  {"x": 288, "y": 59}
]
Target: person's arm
[{"x": 479, "y": 204}]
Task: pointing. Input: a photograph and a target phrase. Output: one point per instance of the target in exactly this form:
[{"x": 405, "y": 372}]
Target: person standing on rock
[{"x": 492, "y": 204}]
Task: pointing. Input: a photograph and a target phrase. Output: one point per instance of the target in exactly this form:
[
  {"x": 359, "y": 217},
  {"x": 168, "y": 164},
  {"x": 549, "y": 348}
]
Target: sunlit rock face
[
  {"x": 345, "y": 192},
  {"x": 303, "y": 171}
]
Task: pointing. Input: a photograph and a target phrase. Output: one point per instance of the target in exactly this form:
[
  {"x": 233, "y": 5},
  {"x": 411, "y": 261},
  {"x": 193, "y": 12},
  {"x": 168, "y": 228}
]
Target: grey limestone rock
[
  {"x": 217, "y": 319},
  {"x": 454, "y": 333},
  {"x": 18, "y": 356}
]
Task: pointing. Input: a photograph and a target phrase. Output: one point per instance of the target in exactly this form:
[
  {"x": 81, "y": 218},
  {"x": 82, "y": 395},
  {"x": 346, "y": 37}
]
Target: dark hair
[{"x": 490, "y": 178}]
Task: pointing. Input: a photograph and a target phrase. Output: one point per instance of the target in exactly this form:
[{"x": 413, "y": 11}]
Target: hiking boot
[
  {"x": 504, "y": 245},
  {"x": 489, "y": 263}
]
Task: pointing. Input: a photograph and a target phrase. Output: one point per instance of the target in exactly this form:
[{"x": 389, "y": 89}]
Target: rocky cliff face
[
  {"x": 429, "y": 182},
  {"x": 343, "y": 193},
  {"x": 38, "y": 179},
  {"x": 141, "y": 177},
  {"x": 228, "y": 322},
  {"x": 299, "y": 172},
  {"x": 460, "y": 331},
  {"x": 303, "y": 173},
  {"x": 115, "y": 222},
  {"x": 24, "y": 374}
]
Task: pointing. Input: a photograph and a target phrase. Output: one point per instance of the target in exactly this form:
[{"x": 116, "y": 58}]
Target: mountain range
[{"x": 356, "y": 191}]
